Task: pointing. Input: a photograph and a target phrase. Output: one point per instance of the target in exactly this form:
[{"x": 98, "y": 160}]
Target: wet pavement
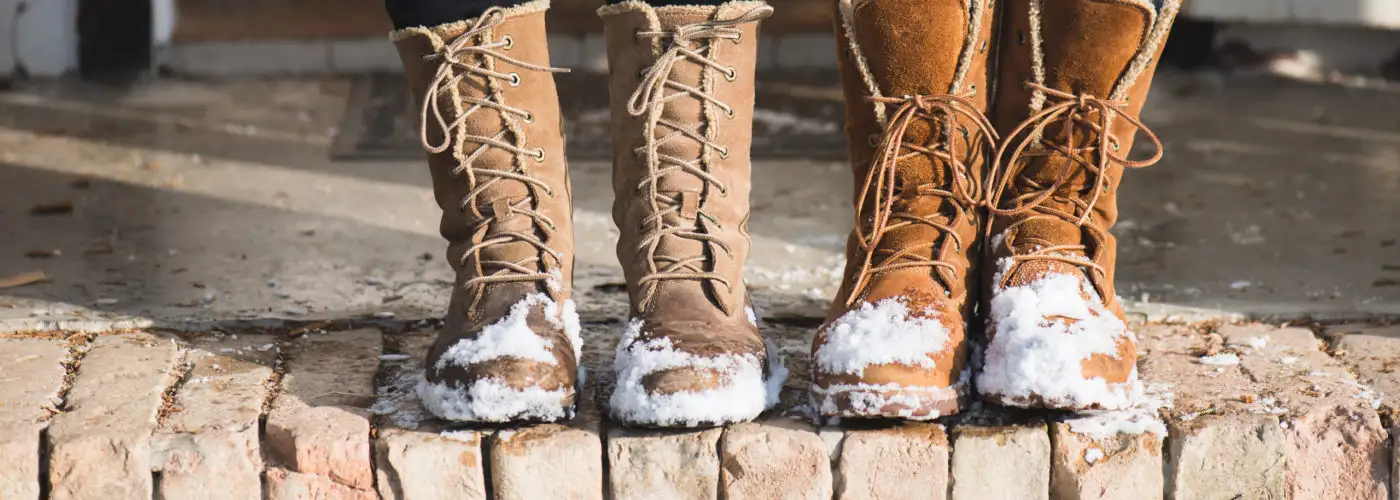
[{"x": 197, "y": 203}]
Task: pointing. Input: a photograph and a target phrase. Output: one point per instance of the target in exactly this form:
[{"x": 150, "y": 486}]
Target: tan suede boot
[
  {"x": 682, "y": 105},
  {"x": 1073, "y": 78},
  {"x": 491, "y": 124},
  {"x": 916, "y": 82}
]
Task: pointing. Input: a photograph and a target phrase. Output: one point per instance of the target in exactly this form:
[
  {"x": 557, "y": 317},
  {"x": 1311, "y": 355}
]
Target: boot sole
[
  {"x": 1038, "y": 402},
  {"x": 885, "y": 402}
]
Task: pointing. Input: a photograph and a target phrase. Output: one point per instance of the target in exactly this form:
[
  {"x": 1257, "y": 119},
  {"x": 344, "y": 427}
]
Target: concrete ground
[{"x": 206, "y": 217}]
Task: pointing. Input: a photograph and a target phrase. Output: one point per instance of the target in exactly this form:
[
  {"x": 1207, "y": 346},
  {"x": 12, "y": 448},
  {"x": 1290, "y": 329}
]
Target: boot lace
[
  {"x": 1071, "y": 112},
  {"x": 881, "y": 183},
  {"x": 685, "y": 43},
  {"x": 471, "y": 54}
]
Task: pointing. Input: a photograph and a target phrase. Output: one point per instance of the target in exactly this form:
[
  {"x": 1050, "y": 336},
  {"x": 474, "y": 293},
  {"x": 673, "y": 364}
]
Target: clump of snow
[
  {"x": 1035, "y": 354},
  {"x": 1258, "y": 342},
  {"x": 511, "y": 336},
  {"x": 1142, "y": 417},
  {"x": 489, "y": 400},
  {"x": 881, "y": 333},
  {"x": 1288, "y": 360},
  {"x": 1222, "y": 359},
  {"x": 1240, "y": 285},
  {"x": 875, "y": 399},
  {"x": 742, "y": 395},
  {"x": 1092, "y": 455}
]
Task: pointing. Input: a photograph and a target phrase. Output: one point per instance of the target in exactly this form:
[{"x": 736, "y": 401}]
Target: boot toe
[
  {"x": 1055, "y": 345},
  {"x": 660, "y": 384},
  {"x": 883, "y": 360}
]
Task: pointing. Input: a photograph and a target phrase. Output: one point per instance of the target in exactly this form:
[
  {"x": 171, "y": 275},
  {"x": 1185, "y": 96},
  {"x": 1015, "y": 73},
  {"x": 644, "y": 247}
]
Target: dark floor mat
[{"x": 798, "y": 115}]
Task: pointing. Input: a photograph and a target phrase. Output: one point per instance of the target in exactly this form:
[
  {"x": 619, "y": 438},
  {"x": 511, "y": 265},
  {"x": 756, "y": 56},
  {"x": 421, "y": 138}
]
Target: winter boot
[
  {"x": 682, "y": 86},
  {"x": 1073, "y": 78},
  {"x": 916, "y": 83},
  {"x": 510, "y": 348}
]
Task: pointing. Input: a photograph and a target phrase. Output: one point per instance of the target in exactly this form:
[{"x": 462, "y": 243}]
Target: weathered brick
[
  {"x": 208, "y": 446},
  {"x": 909, "y": 460},
  {"x": 1334, "y": 444},
  {"x": 319, "y": 423},
  {"x": 31, "y": 374},
  {"x": 1123, "y": 466},
  {"x": 774, "y": 459},
  {"x": 521, "y": 458},
  {"x": 100, "y": 448},
  {"x": 413, "y": 457},
  {"x": 283, "y": 484},
  {"x": 1018, "y": 456},
  {"x": 425, "y": 463},
  {"x": 1227, "y": 456},
  {"x": 1308, "y": 416},
  {"x": 663, "y": 464}
]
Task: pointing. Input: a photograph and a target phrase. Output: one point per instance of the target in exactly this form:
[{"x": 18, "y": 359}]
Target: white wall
[
  {"x": 1383, "y": 14},
  {"x": 46, "y": 37}
]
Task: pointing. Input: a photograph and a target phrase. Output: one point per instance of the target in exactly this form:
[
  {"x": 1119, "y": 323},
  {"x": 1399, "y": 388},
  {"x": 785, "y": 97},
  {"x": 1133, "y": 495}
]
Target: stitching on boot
[
  {"x": 848, "y": 23},
  {"x": 431, "y": 31},
  {"x": 1161, "y": 24}
]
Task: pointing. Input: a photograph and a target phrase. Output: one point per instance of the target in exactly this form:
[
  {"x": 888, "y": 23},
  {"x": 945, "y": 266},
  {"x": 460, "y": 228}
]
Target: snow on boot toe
[
  {"x": 660, "y": 385},
  {"x": 1054, "y": 345},
  {"x": 880, "y": 361}
]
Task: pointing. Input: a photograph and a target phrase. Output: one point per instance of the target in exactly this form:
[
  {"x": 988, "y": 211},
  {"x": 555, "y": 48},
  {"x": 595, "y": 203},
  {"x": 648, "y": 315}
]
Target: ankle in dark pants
[{"x": 409, "y": 13}]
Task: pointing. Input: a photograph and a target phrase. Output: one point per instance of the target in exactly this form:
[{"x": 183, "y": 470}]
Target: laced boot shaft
[
  {"x": 1074, "y": 75},
  {"x": 491, "y": 127},
  {"x": 682, "y": 94},
  {"x": 915, "y": 76}
]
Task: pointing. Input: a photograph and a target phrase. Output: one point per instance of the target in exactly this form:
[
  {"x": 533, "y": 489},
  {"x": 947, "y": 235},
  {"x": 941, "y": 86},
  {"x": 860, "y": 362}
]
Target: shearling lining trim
[
  {"x": 1161, "y": 24},
  {"x": 432, "y": 31},
  {"x": 848, "y": 24},
  {"x": 975, "y": 9}
]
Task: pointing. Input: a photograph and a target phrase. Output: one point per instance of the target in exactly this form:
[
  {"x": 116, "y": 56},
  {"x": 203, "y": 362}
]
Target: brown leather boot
[
  {"x": 916, "y": 84},
  {"x": 510, "y": 349},
  {"x": 1073, "y": 78},
  {"x": 682, "y": 105}
]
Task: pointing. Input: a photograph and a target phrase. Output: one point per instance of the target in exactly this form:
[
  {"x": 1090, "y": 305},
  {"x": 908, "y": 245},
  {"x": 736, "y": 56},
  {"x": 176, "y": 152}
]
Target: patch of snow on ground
[
  {"x": 398, "y": 399},
  {"x": 1222, "y": 359},
  {"x": 1092, "y": 455},
  {"x": 1033, "y": 356},
  {"x": 880, "y": 333},
  {"x": 1143, "y": 417},
  {"x": 743, "y": 396}
]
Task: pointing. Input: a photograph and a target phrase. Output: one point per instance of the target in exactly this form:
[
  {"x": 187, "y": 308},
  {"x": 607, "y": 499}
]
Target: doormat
[{"x": 797, "y": 115}]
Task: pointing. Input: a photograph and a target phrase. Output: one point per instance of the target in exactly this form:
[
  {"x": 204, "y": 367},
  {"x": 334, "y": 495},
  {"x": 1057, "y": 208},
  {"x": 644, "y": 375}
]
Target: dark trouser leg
[{"x": 409, "y": 13}]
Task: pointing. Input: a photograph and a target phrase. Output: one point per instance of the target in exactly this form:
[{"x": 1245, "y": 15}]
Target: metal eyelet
[
  {"x": 873, "y": 139},
  {"x": 642, "y": 73},
  {"x": 529, "y": 117},
  {"x": 724, "y": 152},
  {"x": 637, "y": 35},
  {"x": 729, "y": 111},
  {"x": 1020, "y": 37},
  {"x": 738, "y": 37},
  {"x": 983, "y": 48},
  {"x": 515, "y": 79},
  {"x": 972, "y": 87},
  {"x": 509, "y": 42},
  {"x": 539, "y": 154},
  {"x": 731, "y": 74}
]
